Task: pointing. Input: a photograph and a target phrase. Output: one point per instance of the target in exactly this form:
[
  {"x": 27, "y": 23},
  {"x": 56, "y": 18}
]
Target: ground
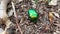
[{"x": 47, "y": 23}]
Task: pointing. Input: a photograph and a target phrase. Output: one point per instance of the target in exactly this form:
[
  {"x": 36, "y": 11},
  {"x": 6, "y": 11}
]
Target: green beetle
[{"x": 32, "y": 14}]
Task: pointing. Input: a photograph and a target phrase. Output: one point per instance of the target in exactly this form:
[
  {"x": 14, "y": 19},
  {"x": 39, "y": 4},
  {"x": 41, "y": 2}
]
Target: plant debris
[{"x": 18, "y": 22}]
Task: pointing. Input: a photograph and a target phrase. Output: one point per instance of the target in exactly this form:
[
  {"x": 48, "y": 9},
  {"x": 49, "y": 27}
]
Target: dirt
[{"x": 46, "y": 23}]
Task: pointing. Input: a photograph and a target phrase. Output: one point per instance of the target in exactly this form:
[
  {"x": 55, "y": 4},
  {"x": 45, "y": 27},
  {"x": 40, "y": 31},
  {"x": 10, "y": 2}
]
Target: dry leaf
[{"x": 50, "y": 16}]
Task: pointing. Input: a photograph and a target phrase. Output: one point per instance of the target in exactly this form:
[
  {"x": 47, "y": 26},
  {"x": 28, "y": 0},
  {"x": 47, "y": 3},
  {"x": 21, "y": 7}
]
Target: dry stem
[{"x": 15, "y": 14}]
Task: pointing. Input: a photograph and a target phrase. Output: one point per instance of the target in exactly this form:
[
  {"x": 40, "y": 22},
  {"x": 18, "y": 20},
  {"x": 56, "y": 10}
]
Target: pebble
[
  {"x": 10, "y": 13},
  {"x": 56, "y": 14},
  {"x": 34, "y": 5},
  {"x": 53, "y": 2},
  {"x": 20, "y": 0},
  {"x": 1, "y": 30},
  {"x": 58, "y": 10},
  {"x": 54, "y": 33}
]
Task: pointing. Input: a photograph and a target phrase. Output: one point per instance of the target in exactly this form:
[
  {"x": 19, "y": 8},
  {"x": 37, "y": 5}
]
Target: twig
[
  {"x": 16, "y": 18},
  {"x": 46, "y": 27}
]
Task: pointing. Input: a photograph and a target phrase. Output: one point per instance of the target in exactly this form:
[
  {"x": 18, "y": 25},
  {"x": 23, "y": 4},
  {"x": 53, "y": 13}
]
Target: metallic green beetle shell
[{"x": 33, "y": 15}]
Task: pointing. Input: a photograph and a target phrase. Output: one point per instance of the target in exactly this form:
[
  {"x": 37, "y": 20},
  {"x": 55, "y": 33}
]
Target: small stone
[
  {"x": 1, "y": 30},
  {"x": 57, "y": 31},
  {"x": 54, "y": 33},
  {"x": 58, "y": 10},
  {"x": 56, "y": 14},
  {"x": 32, "y": 1},
  {"x": 10, "y": 13},
  {"x": 53, "y": 2},
  {"x": 20, "y": 0},
  {"x": 34, "y": 5}
]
